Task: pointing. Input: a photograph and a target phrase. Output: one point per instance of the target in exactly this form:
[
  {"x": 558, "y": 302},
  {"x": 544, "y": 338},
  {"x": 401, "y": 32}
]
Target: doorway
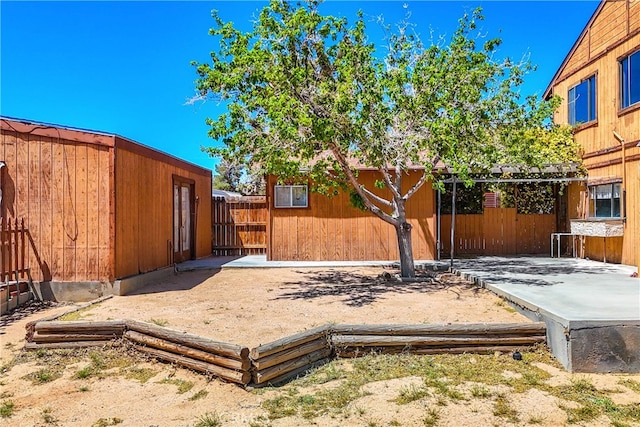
[{"x": 183, "y": 215}]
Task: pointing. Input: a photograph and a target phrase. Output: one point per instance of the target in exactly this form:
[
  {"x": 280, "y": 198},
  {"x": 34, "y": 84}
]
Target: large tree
[{"x": 309, "y": 97}]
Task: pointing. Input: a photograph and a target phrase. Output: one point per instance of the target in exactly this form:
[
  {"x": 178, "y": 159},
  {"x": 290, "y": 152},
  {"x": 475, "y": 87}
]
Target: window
[
  {"x": 291, "y": 196},
  {"x": 604, "y": 201},
  {"x": 582, "y": 102},
  {"x": 630, "y": 80}
]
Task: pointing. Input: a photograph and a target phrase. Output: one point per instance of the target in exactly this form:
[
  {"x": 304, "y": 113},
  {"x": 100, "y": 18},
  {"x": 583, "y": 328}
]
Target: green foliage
[
  {"x": 307, "y": 95},
  {"x": 183, "y": 385},
  {"x": 356, "y": 200},
  {"x": 201, "y": 394},
  {"x": 234, "y": 175},
  {"x": 105, "y": 422},
  {"x": 6, "y": 408},
  {"x": 209, "y": 420},
  {"x": 469, "y": 200},
  {"x": 227, "y": 176}
]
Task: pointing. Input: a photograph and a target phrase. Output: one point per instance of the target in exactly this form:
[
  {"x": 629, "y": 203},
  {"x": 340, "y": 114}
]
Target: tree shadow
[
  {"x": 532, "y": 271},
  {"x": 358, "y": 290},
  {"x": 25, "y": 310}
]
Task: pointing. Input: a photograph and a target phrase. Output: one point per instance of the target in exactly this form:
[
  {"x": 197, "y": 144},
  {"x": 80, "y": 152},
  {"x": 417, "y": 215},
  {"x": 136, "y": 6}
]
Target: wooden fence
[
  {"x": 239, "y": 225},
  {"x": 13, "y": 250},
  {"x": 15, "y": 275},
  {"x": 499, "y": 231}
]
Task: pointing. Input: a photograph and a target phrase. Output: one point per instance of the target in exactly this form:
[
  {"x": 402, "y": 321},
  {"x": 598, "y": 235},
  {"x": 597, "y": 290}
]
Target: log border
[{"x": 281, "y": 360}]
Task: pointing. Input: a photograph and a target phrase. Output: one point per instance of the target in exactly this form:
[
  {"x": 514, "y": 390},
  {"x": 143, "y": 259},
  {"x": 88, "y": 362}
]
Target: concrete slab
[
  {"x": 260, "y": 261},
  {"x": 592, "y": 309},
  {"x": 571, "y": 288}
]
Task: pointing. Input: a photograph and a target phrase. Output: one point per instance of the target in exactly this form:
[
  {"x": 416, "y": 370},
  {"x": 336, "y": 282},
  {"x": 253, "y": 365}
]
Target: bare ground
[{"x": 252, "y": 307}]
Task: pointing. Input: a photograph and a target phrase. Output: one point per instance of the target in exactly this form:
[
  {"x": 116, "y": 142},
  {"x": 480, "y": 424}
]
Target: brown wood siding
[
  {"x": 332, "y": 229},
  {"x": 51, "y": 183},
  {"x": 634, "y": 19},
  {"x": 610, "y": 27},
  {"x": 612, "y": 35},
  {"x": 144, "y": 211},
  {"x": 498, "y": 231}
]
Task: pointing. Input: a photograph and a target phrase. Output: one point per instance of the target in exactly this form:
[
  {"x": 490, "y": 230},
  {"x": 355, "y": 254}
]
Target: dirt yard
[{"x": 256, "y": 306}]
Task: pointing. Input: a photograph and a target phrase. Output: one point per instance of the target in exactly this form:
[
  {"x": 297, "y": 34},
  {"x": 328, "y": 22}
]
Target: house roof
[
  {"x": 496, "y": 169},
  {"x": 66, "y": 133}
]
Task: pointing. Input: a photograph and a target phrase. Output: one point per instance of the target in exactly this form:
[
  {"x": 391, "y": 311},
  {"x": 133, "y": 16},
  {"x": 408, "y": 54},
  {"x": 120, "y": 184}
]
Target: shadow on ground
[
  {"x": 23, "y": 311},
  {"x": 358, "y": 290},
  {"x": 178, "y": 282},
  {"x": 532, "y": 271}
]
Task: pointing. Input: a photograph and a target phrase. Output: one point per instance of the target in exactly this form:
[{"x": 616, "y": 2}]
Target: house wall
[
  {"x": 144, "y": 208},
  {"x": 60, "y": 185},
  {"x": 332, "y": 229},
  {"x": 613, "y": 33}
]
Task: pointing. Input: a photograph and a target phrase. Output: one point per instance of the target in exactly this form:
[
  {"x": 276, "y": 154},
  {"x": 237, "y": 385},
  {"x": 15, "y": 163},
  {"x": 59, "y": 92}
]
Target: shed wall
[
  {"x": 61, "y": 188},
  {"x": 144, "y": 208},
  {"x": 332, "y": 229}
]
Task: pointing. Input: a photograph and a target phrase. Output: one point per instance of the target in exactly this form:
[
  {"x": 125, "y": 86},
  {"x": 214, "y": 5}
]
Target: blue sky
[{"x": 124, "y": 67}]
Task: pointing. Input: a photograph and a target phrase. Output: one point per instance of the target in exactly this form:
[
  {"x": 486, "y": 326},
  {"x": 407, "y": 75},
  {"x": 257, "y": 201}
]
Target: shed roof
[{"x": 67, "y": 133}]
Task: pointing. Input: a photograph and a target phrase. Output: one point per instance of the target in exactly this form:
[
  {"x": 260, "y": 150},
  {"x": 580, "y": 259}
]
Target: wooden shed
[
  {"x": 303, "y": 225},
  {"x": 99, "y": 207},
  {"x": 599, "y": 82}
]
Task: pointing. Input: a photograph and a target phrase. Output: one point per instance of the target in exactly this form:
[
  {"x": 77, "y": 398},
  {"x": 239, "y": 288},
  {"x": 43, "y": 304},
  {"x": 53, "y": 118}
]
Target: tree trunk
[{"x": 403, "y": 231}]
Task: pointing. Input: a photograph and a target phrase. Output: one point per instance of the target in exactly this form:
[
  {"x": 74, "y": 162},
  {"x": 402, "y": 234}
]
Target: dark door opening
[{"x": 183, "y": 213}]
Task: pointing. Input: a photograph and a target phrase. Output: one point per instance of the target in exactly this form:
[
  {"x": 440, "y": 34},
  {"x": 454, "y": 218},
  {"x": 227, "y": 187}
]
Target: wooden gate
[
  {"x": 239, "y": 225},
  {"x": 499, "y": 231}
]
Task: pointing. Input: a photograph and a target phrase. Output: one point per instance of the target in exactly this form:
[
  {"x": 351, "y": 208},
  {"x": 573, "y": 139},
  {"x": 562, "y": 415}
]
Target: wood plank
[
  {"x": 98, "y": 335},
  {"x": 61, "y": 326},
  {"x": 93, "y": 214},
  {"x": 263, "y": 376},
  {"x": 233, "y": 351},
  {"x": 281, "y": 379},
  {"x": 359, "y": 352},
  {"x": 533, "y": 328},
  {"x": 183, "y": 350},
  {"x": 428, "y": 341},
  {"x": 35, "y": 207},
  {"x": 44, "y": 238},
  {"x": 291, "y": 353},
  {"x": 70, "y": 214},
  {"x": 82, "y": 173},
  {"x": 240, "y": 377},
  {"x": 58, "y": 178},
  {"x": 290, "y": 341},
  {"x": 76, "y": 344}
]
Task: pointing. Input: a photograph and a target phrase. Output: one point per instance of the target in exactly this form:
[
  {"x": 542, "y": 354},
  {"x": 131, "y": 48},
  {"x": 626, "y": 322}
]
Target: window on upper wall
[
  {"x": 604, "y": 200},
  {"x": 630, "y": 80},
  {"x": 582, "y": 102},
  {"x": 291, "y": 196}
]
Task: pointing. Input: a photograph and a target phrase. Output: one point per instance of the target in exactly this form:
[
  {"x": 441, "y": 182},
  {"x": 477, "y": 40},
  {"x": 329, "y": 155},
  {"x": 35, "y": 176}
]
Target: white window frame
[{"x": 291, "y": 203}]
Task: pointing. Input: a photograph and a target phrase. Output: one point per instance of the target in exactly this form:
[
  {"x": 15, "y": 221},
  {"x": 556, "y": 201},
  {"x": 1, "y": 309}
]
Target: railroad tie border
[{"x": 285, "y": 358}]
